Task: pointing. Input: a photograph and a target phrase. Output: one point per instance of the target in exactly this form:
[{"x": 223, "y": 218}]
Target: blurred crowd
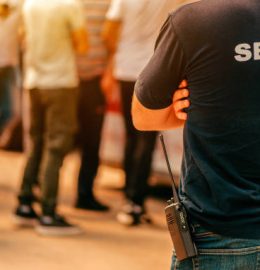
[{"x": 60, "y": 62}]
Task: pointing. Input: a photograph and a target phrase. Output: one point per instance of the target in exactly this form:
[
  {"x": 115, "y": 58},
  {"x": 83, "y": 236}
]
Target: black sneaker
[
  {"x": 25, "y": 215},
  {"x": 90, "y": 203},
  {"x": 133, "y": 214},
  {"x": 56, "y": 226}
]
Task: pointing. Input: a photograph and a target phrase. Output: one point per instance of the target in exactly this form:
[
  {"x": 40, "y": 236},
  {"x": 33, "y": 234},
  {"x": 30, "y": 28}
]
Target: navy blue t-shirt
[{"x": 215, "y": 45}]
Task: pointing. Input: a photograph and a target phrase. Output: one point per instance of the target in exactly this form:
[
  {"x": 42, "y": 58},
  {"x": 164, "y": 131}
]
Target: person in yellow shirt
[{"x": 54, "y": 32}]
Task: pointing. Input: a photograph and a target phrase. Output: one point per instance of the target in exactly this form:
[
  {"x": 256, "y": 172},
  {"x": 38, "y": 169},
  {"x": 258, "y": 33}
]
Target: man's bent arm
[
  {"x": 159, "y": 119},
  {"x": 153, "y": 101}
]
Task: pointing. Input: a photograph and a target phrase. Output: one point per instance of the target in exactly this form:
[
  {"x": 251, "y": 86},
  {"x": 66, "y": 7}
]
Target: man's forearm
[{"x": 147, "y": 119}]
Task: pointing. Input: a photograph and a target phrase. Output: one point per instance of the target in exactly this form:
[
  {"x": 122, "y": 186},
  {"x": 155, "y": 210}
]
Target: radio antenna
[{"x": 174, "y": 190}]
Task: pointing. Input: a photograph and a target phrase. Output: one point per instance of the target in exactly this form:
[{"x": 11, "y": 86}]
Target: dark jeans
[
  {"x": 91, "y": 115},
  {"x": 52, "y": 130},
  {"x": 138, "y": 150},
  {"x": 7, "y": 81},
  {"x": 218, "y": 252}
]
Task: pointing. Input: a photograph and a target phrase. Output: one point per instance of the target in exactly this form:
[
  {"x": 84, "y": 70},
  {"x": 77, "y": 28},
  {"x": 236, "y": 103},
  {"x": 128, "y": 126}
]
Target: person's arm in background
[
  {"x": 80, "y": 40},
  {"x": 162, "y": 119},
  {"x": 112, "y": 25},
  {"x": 109, "y": 84},
  {"x": 110, "y": 35},
  {"x": 77, "y": 25}
]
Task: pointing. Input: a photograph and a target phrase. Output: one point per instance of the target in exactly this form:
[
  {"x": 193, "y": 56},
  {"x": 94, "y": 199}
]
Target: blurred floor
[{"x": 106, "y": 245}]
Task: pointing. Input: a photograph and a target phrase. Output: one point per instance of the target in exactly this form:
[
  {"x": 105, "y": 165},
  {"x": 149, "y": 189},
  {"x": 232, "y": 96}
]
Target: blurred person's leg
[
  {"x": 138, "y": 155},
  {"x": 126, "y": 89},
  {"x": 137, "y": 188},
  {"x": 91, "y": 115},
  {"x": 25, "y": 215},
  {"x": 31, "y": 172},
  {"x": 60, "y": 126}
]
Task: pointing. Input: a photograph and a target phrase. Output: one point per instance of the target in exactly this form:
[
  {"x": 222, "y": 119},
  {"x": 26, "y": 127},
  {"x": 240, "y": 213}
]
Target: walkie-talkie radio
[{"x": 177, "y": 221}]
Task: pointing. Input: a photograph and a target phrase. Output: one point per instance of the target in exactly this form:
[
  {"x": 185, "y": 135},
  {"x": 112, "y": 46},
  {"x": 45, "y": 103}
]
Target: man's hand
[{"x": 180, "y": 101}]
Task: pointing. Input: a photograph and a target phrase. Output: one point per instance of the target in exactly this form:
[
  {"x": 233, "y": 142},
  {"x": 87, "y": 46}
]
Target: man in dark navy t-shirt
[{"x": 215, "y": 46}]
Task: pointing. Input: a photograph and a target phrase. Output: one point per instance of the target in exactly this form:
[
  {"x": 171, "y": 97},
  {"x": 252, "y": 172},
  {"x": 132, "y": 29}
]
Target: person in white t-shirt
[
  {"x": 54, "y": 31},
  {"x": 130, "y": 33}
]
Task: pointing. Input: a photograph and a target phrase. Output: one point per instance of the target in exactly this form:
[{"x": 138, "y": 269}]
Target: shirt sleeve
[
  {"x": 115, "y": 10},
  {"x": 76, "y": 16},
  {"x": 164, "y": 72}
]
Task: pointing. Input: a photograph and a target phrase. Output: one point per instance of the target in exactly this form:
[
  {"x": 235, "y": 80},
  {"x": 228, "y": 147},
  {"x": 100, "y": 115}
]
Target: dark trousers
[
  {"x": 91, "y": 115},
  {"x": 138, "y": 150},
  {"x": 52, "y": 131}
]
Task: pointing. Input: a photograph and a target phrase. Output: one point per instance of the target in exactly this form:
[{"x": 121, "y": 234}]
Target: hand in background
[{"x": 108, "y": 86}]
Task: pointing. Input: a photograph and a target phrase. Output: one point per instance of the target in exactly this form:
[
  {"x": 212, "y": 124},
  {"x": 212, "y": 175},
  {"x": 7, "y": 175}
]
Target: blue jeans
[{"x": 221, "y": 253}]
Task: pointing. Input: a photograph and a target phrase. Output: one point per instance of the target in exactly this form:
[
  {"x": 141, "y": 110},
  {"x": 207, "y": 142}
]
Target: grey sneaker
[
  {"x": 56, "y": 225},
  {"x": 25, "y": 216},
  {"x": 133, "y": 214}
]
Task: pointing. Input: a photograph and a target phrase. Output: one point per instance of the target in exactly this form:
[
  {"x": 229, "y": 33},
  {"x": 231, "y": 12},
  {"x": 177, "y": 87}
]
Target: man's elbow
[
  {"x": 138, "y": 115},
  {"x": 141, "y": 116},
  {"x": 141, "y": 122}
]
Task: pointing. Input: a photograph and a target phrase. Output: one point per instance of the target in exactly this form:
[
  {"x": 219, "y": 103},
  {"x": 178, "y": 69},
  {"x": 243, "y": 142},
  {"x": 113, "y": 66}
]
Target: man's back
[{"x": 216, "y": 48}]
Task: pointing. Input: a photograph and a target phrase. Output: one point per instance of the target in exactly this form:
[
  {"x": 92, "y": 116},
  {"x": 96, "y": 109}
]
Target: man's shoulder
[
  {"x": 187, "y": 10},
  {"x": 184, "y": 15},
  {"x": 202, "y": 15},
  {"x": 205, "y": 14}
]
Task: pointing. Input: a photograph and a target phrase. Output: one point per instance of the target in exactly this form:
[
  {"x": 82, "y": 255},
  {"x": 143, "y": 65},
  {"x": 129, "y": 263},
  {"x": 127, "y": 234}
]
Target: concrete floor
[{"x": 105, "y": 245}]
